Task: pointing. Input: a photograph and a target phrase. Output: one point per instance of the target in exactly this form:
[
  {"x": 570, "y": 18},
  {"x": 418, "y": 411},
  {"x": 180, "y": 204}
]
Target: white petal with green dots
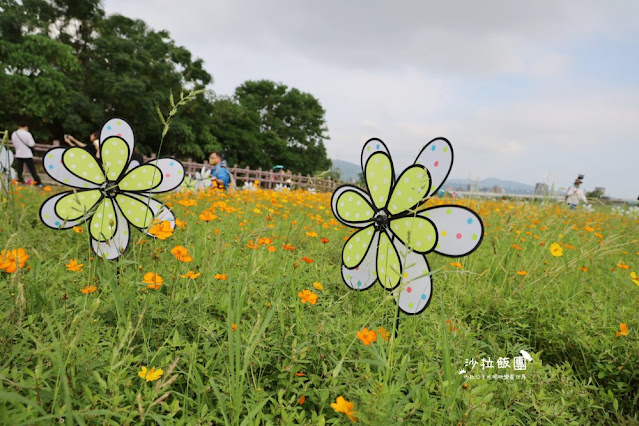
[
  {"x": 437, "y": 157},
  {"x": 58, "y": 170},
  {"x": 82, "y": 164},
  {"x": 115, "y": 157},
  {"x": 160, "y": 211},
  {"x": 172, "y": 174},
  {"x": 356, "y": 247},
  {"x": 112, "y": 248},
  {"x": 388, "y": 263},
  {"x": 415, "y": 290},
  {"x": 379, "y": 177},
  {"x": 143, "y": 178},
  {"x": 77, "y": 204},
  {"x": 415, "y": 232},
  {"x": 137, "y": 212},
  {"x": 365, "y": 274},
  {"x": 411, "y": 188},
  {"x": 103, "y": 223},
  {"x": 119, "y": 128},
  {"x": 460, "y": 230}
]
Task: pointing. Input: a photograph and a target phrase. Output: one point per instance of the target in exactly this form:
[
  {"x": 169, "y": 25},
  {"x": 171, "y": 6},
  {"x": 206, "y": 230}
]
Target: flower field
[{"x": 240, "y": 316}]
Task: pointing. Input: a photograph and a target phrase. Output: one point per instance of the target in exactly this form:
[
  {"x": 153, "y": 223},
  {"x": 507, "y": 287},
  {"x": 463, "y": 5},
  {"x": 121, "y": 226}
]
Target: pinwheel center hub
[
  {"x": 110, "y": 189},
  {"x": 381, "y": 219}
]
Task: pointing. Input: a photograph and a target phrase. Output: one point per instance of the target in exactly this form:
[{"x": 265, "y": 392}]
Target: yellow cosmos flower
[{"x": 150, "y": 375}]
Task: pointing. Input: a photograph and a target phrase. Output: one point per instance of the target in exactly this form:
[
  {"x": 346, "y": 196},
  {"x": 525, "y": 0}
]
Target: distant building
[
  {"x": 541, "y": 189},
  {"x": 498, "y": 189}
]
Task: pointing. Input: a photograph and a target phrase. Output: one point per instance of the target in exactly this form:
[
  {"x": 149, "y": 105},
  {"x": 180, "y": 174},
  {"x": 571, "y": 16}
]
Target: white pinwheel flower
[
  {"x": 7, "y": 173},
  {"x": 280, "y": 187},
  {"x": 108, "y": 193},
  {"x": 203, "y": 179},
  {"x": 395, "y": 230}
]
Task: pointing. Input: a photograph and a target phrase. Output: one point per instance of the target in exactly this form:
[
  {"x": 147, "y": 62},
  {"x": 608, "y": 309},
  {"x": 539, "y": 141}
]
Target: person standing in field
[
  {"x": 574, "y": 194},
  {"x": 220, "y": 173},
  {"x": 23, "y": 141}
]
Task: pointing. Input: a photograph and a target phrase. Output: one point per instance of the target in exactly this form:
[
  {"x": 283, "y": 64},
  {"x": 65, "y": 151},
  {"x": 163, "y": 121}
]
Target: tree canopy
[{"x": 68, "y": 68}]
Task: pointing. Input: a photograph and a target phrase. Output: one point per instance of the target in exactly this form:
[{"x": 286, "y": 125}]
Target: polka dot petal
[
  {"x": 365, "y": 274},
  {"x": 136, "y": 211},
  {"x": 103, "y": 222},
  {"x": 357, "y": 246},
  {"x": 388, "y": 263},
  {"x": 49, "y": 216},
  {"x": 411, "y": 188},
  {"x": 115, "y": 154},
  {"x": 172, "y": 174},
  {"x": 437, "y": 157},
  {"x": 112, "y": 248},
  {"x": 358, "y": 195},
  {"x": 417, "y": 233},
  {"x": 121, "y": 129},
  {"x": 379, "y": 177},
  {"x": 81, "y": 167},
  {"x": 142, "y": 178},
  {"x": 414, "y": 293},
  {"x": 460, "y": 229},
  {"x": 74, "y": 206}
]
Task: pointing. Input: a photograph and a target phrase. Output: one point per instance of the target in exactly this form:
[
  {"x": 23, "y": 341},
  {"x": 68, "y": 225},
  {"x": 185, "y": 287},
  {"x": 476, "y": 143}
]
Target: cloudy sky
[{"x": 530, "y": 91}]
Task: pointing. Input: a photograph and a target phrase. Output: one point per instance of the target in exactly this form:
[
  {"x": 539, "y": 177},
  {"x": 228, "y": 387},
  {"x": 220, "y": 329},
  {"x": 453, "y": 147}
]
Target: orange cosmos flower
[
  {"x": 456, "y": 265},
  {"x": 318, "y": 285},
  {"x": 289, "y": 247},
  {"x": 300, "y": 374},
  {"x": 556, "y": 250},
  {"x": 74, "y": 266},
  {"x": 181, "y": 253},
  {"x": 271, "y": 249},
  {"x": 12, "y": 260},
  {"x": 264, "y": 241},
  {"x": 252, "y": 245},
  {"x": 89, "y": 289},
  {"x": 583, "y": 269},
  {"x": 78, "y": 229},
  {"x": 311, "y": 234},
  {"x": 589, "y": 229},
  {"x": 207, "y": 216},
  {"x": 367, "y": 336},
  {"x": 221, "y": 277},
  {"x": 383, "y": 333},
  {"x": 47, "y": 188},
  {"x": 324, "y": 240},
  {"x": 516, "y": 247},
  {"x": 522, "y": 273},
  {"x": 302, "y": 400},
  {"x": 187, "y": 203},
  {"x": 153, "y": 280},
  {"x": 180, "y": 223},
  {"x": 234, "y": 326},
  {"x": 307, "y": 296},
  {"x": 161, "y": 230},
  {"x": 192, "y": 275},
  {"x": 307, "y": 259},
  {"x": 623, "y": 330},
  {"x": 343, "y": 406},
  {"x": 622, "y": 265}
]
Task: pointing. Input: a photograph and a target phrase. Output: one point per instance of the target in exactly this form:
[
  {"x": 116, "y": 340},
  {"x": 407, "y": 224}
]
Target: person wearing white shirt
[
  {"x": 574, "y": 194},
  {"x": 23, "y": 141}
]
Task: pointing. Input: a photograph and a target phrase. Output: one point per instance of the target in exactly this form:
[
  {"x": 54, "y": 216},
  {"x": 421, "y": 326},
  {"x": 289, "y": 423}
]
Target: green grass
[{"x": 69, "y": 356}]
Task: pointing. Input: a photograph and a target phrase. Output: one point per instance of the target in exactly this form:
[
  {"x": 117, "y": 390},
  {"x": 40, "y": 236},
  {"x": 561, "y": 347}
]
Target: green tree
[{"x": 291, "y": 125}]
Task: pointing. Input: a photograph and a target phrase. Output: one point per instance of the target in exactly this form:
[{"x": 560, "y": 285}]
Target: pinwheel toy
[
  {"x": 7, "y": 173},
  {"x": 396, "y": 229},
  {"x": 203, "y": 179},
  {"x": 108, "y": 193}
]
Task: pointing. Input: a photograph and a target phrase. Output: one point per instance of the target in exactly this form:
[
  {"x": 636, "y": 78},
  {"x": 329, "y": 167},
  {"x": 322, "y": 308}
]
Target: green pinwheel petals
[
  {"x": 136, "y": 212},
  {"x": 356, "y": 247},
  {"x": 103, "y": 223},
  {"x": 353, "y": 207},
  {"x": 115, "y": 156},
  {"x": 379, "y": 175},
  {"x": 415, "y": 232},
  {"x": 388, "y": 264},
  {"x": 411, "y": 188},
  {"x": 80, "y": 163},
  {"x": 142, "y": 178},
  {"x": 75, "y": 205}
]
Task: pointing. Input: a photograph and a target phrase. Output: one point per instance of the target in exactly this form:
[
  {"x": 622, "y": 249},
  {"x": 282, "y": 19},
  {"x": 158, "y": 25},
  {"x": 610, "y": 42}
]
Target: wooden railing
[{"x": 267, "y": 179}]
